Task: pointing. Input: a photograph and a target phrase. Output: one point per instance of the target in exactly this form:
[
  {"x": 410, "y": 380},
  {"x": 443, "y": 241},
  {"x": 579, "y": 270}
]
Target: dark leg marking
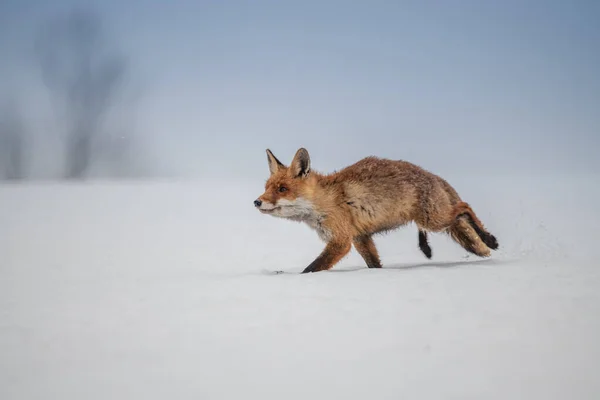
[
  {"x": 333, "y": 252},
  {"x": 423, "y": 244}
]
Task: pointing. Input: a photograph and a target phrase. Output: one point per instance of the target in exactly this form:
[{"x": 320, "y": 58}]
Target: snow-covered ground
[{"x": 158, "y": 290}]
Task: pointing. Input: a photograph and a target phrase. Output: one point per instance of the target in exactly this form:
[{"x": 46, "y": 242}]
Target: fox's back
[{"x": 381, "y": 194}]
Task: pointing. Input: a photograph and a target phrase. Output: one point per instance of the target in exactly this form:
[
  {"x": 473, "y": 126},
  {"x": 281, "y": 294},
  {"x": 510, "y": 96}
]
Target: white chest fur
[
  {"x": 315, "y": 223},
  {"x": 303, "y": 210}
]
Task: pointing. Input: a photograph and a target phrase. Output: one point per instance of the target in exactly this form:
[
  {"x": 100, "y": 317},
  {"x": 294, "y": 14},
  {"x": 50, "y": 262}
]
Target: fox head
[{"x": 287, "y": 188}]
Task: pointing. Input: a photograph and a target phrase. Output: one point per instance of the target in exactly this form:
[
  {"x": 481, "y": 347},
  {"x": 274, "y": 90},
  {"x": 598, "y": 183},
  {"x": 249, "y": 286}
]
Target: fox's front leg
[
  {"x": 366, "y": 248},
  {"x": 335, "y": 250}
]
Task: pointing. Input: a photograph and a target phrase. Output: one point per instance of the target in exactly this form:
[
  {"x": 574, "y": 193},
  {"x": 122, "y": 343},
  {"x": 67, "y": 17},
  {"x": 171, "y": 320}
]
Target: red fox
[{"x": 372, "y": 196}]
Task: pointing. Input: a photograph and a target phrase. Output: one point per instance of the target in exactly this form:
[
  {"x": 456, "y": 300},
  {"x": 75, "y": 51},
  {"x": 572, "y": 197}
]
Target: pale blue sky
[{"x": 508, "y": 85}]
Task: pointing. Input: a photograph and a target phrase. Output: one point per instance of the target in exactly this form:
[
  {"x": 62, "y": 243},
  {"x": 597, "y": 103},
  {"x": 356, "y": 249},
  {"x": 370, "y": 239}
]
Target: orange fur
[{"x": 373, "y": 195}]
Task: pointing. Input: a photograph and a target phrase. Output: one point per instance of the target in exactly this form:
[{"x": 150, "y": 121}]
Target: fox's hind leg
[
  {"x": 464, "y": 234},
  {"x": 366, "y": 248},
  {"x": 424, "y": 244}
]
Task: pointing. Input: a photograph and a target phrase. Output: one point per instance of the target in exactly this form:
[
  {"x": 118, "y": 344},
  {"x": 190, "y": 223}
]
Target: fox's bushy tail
[
  {"x": 468, "y": 231},
  {"x": 462, "y": 209}
]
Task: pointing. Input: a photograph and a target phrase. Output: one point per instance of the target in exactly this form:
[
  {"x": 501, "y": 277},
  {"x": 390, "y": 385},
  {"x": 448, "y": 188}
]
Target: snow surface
[{"x": 161, "y": 290}]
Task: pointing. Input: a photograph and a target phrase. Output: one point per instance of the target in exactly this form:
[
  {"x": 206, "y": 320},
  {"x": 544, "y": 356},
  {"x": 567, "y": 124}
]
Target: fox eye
[{"x": 282, "y": 189}]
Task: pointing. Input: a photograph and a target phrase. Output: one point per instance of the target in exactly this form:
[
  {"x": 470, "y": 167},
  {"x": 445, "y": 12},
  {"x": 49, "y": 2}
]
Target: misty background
[{"x": 147, "y": 89}]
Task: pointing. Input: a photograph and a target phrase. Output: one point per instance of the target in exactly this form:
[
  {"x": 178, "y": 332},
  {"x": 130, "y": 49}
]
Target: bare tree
[
  {"x": 12, "y": 144},
  {"x": 79, "y": 70}
]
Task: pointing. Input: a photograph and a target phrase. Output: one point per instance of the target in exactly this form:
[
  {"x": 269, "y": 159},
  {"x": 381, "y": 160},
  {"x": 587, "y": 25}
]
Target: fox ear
[
  {"x": 300, "y": 166},
  {"x": 274, "y": 163}
]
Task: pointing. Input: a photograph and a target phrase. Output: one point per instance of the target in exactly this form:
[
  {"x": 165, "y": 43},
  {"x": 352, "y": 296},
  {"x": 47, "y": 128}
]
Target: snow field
[{"x": 161, "y": 289}]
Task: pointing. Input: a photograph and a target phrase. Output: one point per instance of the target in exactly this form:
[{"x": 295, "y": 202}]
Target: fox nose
[{"x": 257, "y": 203}]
